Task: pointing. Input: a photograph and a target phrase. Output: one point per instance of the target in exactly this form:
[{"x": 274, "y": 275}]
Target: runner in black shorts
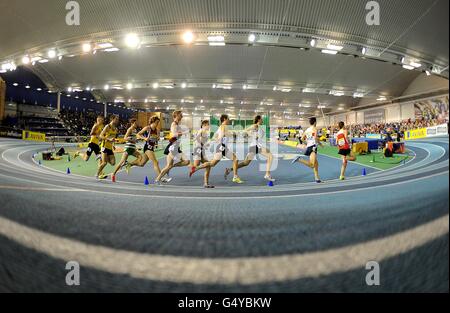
[
  {"x": 94, "y": 143},
  {"x": 344, "y": 148},
  {"x": 312, "y": 141},
  {"x": 256, "y": 135},
  {"x": 150, "y": 134},
  {"x": 108, "y": 137},
  {"x": 130, "y": 147}
]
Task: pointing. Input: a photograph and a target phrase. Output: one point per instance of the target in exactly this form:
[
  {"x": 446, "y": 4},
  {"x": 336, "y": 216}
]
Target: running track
[{"x": 296, "y": 237}]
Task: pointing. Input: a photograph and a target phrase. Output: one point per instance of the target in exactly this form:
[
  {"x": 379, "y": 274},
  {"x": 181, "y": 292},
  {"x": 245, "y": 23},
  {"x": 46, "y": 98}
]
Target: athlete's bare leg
[
  {"x": 166, "y": 169},
  {"x": 121, "y": 163},
  {"x": 269, "y": 156},
  {"x": 103, "y": 163}
]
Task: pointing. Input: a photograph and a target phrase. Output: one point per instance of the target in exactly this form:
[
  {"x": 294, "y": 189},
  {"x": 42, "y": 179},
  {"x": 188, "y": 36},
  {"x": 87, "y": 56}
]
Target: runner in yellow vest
[{"x": 108, "y": 138}]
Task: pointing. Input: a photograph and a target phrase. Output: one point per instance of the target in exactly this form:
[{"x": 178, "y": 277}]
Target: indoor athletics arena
[{"x": 224, "y": 146}]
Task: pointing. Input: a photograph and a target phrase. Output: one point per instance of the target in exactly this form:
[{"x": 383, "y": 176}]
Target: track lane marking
[{"x": 223, "y": 271}]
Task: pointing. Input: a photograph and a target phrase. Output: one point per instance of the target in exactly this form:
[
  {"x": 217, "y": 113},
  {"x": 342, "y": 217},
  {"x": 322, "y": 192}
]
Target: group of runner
[{"x": 104, "y": 137}]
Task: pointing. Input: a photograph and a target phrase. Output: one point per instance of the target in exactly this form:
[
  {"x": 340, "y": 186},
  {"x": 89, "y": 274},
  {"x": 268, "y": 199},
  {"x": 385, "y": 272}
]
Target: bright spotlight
[
  {"x": 155, "y": 86},
  {"x": 188, "y": 37},
  {"x": 312, "y": 43},
  {"x": 26, "y": 60},
  {"x": 251, "y": 38},
  {"x": 129, "y": 86},
  {"x": 106, "y": 87},
  {"x": 52, "y": 54},
  {"x": 86, "y": 47},
  {"x": 183, "y": 85},
  {"x": 132, "y": 41},
  {"x": 70, "y": 89}
]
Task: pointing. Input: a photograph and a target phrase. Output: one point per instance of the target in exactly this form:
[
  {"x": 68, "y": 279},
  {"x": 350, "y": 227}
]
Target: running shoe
[
  {"x": 76, "y": 155},
  {"x": 113, "y": 178},
  {"x": 269, "y": 178},
  {"x": 318, "y": 181},
  {"x": 227, "y": 172},
  {"x": 166, "y": 179},
  {"x": 102, "y": 177},
  {"x": 192, "y": 172},
  {"x": 342, "y": 178},
  {"x": 207, "y": 186},
  {"x": 237, "y": 180},
  {"x": 296, "y": 159}
]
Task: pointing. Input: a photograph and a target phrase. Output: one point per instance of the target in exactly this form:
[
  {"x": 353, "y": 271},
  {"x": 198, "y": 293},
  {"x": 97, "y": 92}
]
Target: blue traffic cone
[
  {"x": 270, "y": 184},
  {"x": 68, "y": 171},
  {"x": 364, "y": 173},
  {"x": 146, "y": 182}
]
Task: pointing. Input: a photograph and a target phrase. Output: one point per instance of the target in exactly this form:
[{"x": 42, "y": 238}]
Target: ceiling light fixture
[
  {"x": 132, "y": 41},
  {"x": 105, "y": 45},
  {"x": 86, "y": 47},
  {"x": 332, "y": 52},
  {"x": 216, "y": 40},
  {"x": 337, "y": 93},
  {"x": 188, "y": 37},
  {"x": 26, "y": 60},
  {"x": 334, "y": 47},
  {"x": 51, "y": 54}
]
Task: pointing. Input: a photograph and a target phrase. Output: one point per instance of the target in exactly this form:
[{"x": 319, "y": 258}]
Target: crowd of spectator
[
  {"x": 384, "y": 128},
  {"x": 80, "y": 123},
  {"x": 361, "y": 130}
]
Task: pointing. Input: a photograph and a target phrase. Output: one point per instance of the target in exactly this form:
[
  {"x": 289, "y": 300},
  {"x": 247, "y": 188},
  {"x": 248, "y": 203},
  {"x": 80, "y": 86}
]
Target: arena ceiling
[{"x": 270, "y": 73}]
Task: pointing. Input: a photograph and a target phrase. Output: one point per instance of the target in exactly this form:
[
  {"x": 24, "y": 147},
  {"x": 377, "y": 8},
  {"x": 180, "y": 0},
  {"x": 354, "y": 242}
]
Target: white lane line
[
  {"x": 222, "y": 271},
  {"x": 30, "y": 188},
  {"x": 266, "y": 196}
]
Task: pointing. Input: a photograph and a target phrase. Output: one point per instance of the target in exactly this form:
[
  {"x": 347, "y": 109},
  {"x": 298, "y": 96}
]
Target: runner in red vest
[{"x": 344, "y": 149}]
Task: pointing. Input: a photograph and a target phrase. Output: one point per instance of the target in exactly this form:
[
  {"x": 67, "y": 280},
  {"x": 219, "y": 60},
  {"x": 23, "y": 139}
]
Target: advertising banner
[
  {"x": 33, "y": 136},
  {"x": 440, "y": 130},
  {"x": 373, "y": 136},
  {"x": 416, "y": 134}
]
